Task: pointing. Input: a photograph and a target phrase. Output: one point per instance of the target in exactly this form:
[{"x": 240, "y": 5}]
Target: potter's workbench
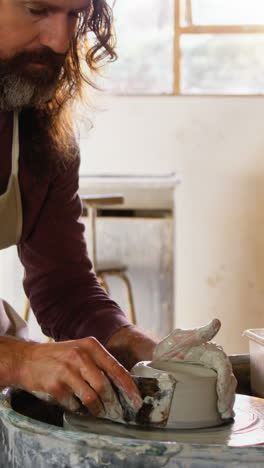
[
  {"x": 28, "y": 442},
  {"x": 140, "y": 233}
]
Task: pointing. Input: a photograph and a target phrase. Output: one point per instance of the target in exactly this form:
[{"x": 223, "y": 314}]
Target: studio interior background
[{"x": 186, "y": 97}]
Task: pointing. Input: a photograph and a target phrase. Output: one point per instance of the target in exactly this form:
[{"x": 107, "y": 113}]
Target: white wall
[{"x": 217, "y": 144}]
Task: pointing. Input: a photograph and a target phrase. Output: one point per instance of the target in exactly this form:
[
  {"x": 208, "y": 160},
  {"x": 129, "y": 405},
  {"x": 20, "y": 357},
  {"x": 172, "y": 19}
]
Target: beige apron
[{"x": 10, "y": 232}]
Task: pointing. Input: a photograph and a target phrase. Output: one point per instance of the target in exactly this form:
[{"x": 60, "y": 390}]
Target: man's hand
[
  {"x": 192, "y": 346},
  {"x": 180, "y": 341},
  {"x": 64, "y": 370},
  {"x": 131, "y": 345},
  {"x": 212, "y": 356}
]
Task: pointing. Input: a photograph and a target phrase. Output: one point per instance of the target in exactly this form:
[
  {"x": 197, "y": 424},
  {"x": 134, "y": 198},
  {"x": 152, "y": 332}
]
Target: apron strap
[{"x": 15, "y": 146}]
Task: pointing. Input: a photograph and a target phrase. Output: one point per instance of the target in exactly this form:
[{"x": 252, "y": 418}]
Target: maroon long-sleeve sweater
[{"x": 63, "y": 291}]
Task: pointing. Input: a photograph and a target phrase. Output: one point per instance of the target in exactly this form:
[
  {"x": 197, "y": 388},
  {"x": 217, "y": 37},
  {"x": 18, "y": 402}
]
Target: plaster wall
[{"x": 217, "y": 145}]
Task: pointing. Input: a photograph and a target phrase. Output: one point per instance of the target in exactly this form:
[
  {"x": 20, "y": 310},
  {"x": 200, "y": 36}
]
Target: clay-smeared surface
[
  {"x": 246, "y": 429},
  {"x": 24, "y": 440}
]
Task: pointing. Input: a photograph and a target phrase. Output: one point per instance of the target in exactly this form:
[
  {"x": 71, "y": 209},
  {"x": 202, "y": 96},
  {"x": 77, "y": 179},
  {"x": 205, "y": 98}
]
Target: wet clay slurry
[{"x": 44, "y": 445}]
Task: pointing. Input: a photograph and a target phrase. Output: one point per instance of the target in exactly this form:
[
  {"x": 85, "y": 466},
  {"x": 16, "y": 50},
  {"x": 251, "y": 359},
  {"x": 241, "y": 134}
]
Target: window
[
  {"x": 188, "y": 47},
  {"x": 145, "y": 31}
]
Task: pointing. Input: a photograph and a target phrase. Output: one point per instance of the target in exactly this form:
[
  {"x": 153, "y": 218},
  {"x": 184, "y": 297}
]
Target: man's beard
[{"x": 23, "y": 86}]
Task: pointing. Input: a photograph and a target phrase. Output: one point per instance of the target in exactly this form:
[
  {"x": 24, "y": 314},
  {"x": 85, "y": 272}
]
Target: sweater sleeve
[{"x": 63, "y": 291}]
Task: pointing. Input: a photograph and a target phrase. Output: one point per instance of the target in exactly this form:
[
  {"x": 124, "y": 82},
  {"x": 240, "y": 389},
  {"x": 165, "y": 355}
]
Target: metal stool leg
[
  {"x": 132, "y": 314},
  {"x": 131, "y": 307}
]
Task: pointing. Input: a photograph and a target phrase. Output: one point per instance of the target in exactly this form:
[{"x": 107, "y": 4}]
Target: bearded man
[{"x": 42, "y": 46}]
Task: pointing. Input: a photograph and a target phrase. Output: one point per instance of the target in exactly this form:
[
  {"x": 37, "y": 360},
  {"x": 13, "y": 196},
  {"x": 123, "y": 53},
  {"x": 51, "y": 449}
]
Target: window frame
[
  {"x": 191, "y": 28},
  {"x": 205, "y": 29}
]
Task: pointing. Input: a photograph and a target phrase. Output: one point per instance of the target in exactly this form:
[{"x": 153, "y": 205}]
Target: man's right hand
[{"x": 81, "y": 368}]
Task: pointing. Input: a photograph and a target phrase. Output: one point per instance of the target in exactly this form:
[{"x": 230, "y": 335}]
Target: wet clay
[{"x": 194, "y": 403}]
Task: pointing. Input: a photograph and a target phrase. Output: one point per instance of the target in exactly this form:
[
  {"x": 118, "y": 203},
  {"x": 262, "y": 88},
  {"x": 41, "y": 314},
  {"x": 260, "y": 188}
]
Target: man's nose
[{"x": 57, "y": 33}]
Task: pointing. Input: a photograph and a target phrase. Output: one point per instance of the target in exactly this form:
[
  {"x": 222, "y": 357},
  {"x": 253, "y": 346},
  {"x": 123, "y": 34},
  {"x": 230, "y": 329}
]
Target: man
[{"x": 41, "y": 47}]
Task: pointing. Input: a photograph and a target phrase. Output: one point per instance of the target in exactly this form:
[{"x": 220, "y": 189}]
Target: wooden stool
[{"x": 92, "y": 203}]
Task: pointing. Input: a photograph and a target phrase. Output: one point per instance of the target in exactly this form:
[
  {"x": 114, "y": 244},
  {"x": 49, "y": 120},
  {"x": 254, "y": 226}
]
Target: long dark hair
[{"x": 51, "y": 126}]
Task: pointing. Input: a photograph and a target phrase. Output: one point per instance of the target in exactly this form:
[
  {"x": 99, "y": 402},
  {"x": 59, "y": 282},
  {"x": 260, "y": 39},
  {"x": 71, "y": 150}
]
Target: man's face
[{"x": 35, "y": 36}]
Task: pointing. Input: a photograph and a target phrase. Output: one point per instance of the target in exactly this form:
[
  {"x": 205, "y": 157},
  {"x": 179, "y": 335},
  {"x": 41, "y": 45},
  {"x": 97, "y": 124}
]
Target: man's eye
[
  {"x": 75, "y": 14},
  {"x": 39, "y": 12},
  {"x": 44, "y": 11}
]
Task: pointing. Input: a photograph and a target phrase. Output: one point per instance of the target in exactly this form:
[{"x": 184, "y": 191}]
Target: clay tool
[{"x": 157, "y": 396}]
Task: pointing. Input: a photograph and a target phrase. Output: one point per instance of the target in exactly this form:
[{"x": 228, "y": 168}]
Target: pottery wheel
[{"x": 246, "y": 429}]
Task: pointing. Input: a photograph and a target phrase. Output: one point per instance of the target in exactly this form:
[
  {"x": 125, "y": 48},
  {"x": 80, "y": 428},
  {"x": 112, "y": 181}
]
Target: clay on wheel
[{"x": 194, "y": 402}]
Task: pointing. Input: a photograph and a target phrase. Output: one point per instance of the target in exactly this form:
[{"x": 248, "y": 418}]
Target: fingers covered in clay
[
  {"x": 226, "y": 387},
  {"x": 118, "y": 375},
  {"x": 193, "y": 346},
  {"x": 81, "y": 368},
  {"x": 177, "y": 344},
  {"x": 213, "y": 357},
  {"x": 112, "y": 406},
  {"x": 61, "y": 377}
]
